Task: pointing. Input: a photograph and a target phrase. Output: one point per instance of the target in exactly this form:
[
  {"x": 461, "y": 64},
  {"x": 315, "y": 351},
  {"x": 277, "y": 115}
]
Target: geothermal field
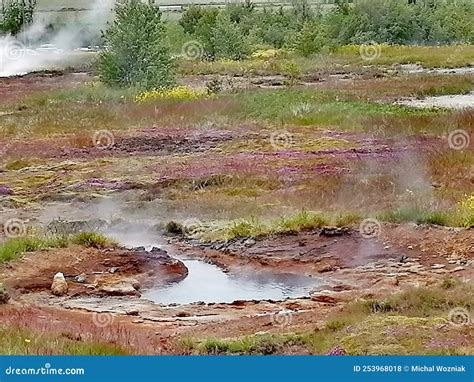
[{"x": 238, "y": 180}]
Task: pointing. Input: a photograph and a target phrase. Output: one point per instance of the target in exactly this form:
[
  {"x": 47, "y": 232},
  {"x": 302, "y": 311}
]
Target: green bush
[
  {"x": 136, "y": 54},
  {"x": 199, "y": 22},
  {"x": 239, "y": 29},
  {"x": 227, "y": 39},
  {"x": 15, "y": 14},
  {"x": 310, "y": 39}
]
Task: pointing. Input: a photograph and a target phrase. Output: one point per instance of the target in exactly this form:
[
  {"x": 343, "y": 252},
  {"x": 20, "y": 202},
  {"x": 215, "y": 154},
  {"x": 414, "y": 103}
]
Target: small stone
[
  {"x": 136, "y": 284},
  {"x": 4, "y": 297},
  {"x": 337, "y": 351},
  {"x": 59, "y": 285},
  {"x": 5, "y": 190},
  {"x": 80, "y": 278},
  {"x": 112, "y": 269},
  {"x": 333, "y": 231},
  {"x": 249, "y": 242},
  {"x": 403, "y": 259},
  {"x": 410, "y": 247},
  {"x": 182, "y": 314},
  {"x": 323, "y": 298},
  {"x": 438, "y": 266},
  {"x": 327, "y": 268},
  {"x": 120, "y": 289}
]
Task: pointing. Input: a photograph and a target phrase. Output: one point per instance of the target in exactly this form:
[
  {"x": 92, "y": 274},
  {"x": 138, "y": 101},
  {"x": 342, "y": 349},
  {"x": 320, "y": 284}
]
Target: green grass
[
  {"x": 14, "y": 248},
  {"x": 91, "y": 240},
  {"x": 415, "y": 215},
  {"x": 426, "y": 302},
  {"x": 18, "y": 341},
  {"x": 254, "y": 227},
  {"x": 264, "y": 344},
  {"x": 462, "y": 216},
  {"x": 332, "y": 108},
  {"x": 302, "y": 221},
  {"x": 345, "y": 58}
]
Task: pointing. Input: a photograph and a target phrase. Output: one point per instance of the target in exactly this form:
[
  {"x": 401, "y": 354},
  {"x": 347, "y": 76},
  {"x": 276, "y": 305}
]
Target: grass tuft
[
  {"x": 19, "y": 341},
  {"x": 14, "y": 248},
  {"x": 91, "y": 240}
]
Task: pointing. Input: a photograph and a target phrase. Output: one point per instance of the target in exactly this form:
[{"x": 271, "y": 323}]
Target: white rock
[{"x": 59, "y": 286}]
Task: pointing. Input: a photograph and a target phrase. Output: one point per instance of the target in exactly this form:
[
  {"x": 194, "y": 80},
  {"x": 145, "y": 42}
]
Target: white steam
[{"x": 33, "y": 49}]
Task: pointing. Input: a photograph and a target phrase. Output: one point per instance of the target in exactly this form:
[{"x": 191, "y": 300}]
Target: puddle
[
  {"x": 416, "y": 69},
  {"x": 455, "y": 101},
  {"x": 208, "y": 283}
]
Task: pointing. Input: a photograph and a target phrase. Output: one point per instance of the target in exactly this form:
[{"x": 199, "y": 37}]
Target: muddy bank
[{"x": 92, "y": 272}]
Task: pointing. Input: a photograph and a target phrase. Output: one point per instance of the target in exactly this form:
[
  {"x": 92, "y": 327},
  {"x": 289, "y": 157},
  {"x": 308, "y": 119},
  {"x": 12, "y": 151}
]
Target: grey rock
[{"x": 80, "y": 278}]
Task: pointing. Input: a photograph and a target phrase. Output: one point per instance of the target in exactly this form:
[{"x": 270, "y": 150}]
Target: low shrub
[
  {"x": 92, "y": 240},
  {"x": 178, "y": 93}
]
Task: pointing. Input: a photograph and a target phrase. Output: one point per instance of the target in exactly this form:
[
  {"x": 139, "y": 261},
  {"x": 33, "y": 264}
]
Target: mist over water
[{"x": 37, "y": 48}]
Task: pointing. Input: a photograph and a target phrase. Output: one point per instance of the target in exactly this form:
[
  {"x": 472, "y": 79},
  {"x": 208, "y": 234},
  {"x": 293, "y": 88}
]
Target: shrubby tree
[
  {"x": 15, "y": 14},
  {"x": 239, "y": 29},
  {"x": 136, "y": 52},
  {"x": 310, "y": 39},
  {"x": 199, "y": 22},
  {"x": 227, "y": 39}
]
